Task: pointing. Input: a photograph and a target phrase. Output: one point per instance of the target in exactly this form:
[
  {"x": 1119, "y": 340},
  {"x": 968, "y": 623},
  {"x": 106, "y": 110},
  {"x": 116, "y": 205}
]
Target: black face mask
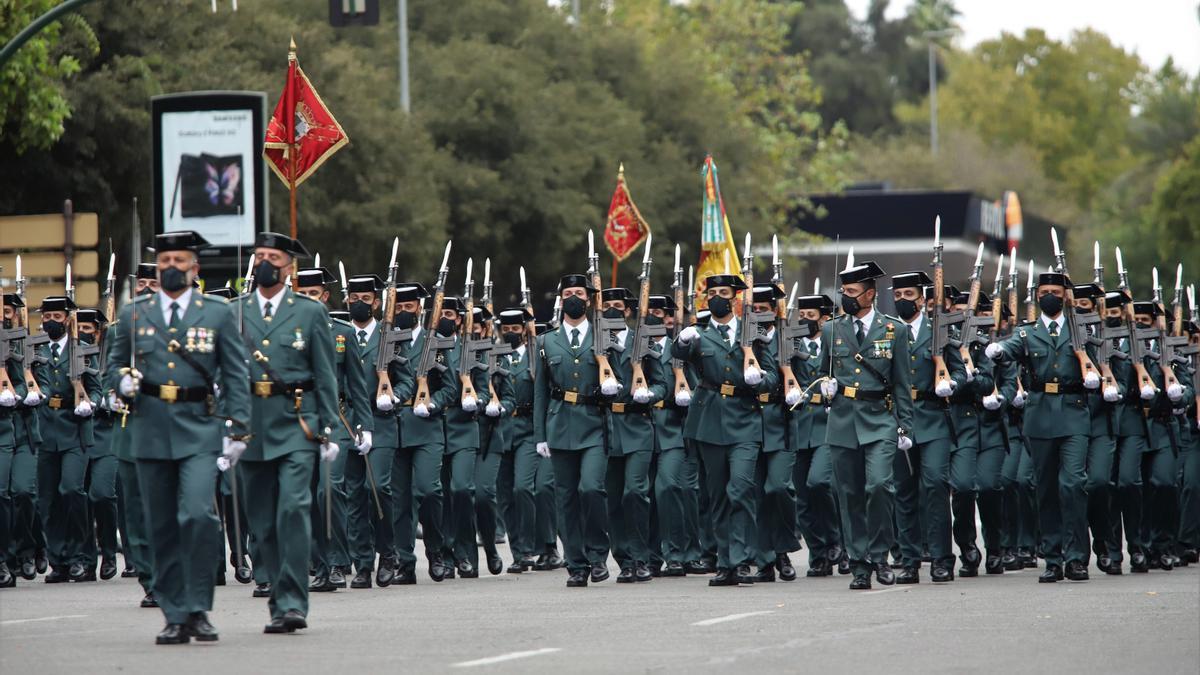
[
  {"x": 404, "y": 320},
  {"x": 87, "y": 338},
  {"x": 146, "y": 291},
  {"x": 1112, "y": 321},
  {"x": 266, "y": 274},
  {"x": 720, "y": 307},
  {"x": 652, "y": 320},
  {"x": 613, "y": 313},
  {"x": 7, "y": 324},
  {"x": 906, "y": 308},
  {"x": 445, "y": 327},
  {"x": 172, "y": 279},
  {"x": 1143, "y": 325},
  {"x": 54, "y": 329},
  {"x": 574, "y": 307},
  {"x": 1051, "y": 305},
  {"x": 851, "y": 305},
  {"x": 513, "y": 339},
  {"x": 814, "y": 326},
  {"x": 360, "y": 311}
]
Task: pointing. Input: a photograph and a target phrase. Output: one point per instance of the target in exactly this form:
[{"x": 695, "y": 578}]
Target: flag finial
[
  {"x": 621, "y": 170},
  {"x": 292, "y": 49}
]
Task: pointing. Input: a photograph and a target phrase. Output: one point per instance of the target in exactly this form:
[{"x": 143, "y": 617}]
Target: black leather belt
[
  {"x": 727, "y": 390},
  {"x": 573, "y": 397},
  {"x": 523, "y": 411},
  {"x": 268, "y": 388},
  {"x": 173, "y": 393},
  {"x": 1056, "y": 388},
  {"x": 918, "y": 395},
  {"x": 863, "y": 395},
  {"x": 633, "y": 408}
]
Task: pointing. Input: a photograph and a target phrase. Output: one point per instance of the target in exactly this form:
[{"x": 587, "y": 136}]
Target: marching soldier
[
  {"x": 725, "y": 422},
  {"x": 871, "y": 417},
  {"x": 1189, "y": 488},
  {"x": 27, "y": 550},
  {"x": 9, "y": 397},
  {"x": 671, "y": 491},
  {"x": 293, "y": 411},
  {"x": 168, "y": 349},
  {"x": 101, "y": 482},
  {"x": 1056, "y": 425},
  {"x": 493, "y": 445}
]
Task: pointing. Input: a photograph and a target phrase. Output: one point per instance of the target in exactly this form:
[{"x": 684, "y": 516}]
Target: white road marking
[
  {"x": 731, "y": 617},
  {"x": 511, "y": 656},
  {"x": 11, "y": 622},
  {"x": 883, "y": 590}
]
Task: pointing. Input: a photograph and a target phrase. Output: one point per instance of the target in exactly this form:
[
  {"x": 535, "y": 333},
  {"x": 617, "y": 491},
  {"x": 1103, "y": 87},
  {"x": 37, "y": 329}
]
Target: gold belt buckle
[
  {"x": 728, "y": 389},
  {"x": 914, "y": 393},
  {"x": 262, "y": 389},
  {"x": 816, "y": 398},
  {"x": 55, "y": 402},
  {"x": 1051, "y": 387},
  {"x": 571, "y": 397},
  {"x": 658, "y": 404},
  {"x": 168, "y": 392},
  {"x": 764, "y": 398},
  {"x": 618, "y": 408},
  {"x": 408, "y": 402},
  {"x": 850, "y": 392}
]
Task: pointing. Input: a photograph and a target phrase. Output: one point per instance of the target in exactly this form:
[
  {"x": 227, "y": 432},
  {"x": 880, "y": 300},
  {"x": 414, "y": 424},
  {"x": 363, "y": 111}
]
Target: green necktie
[
  {"x": 54, "y": 350},
  {"x": 812, "y": 347},
  {"x": 1053, "y": 329},
  {"x": 267, "y": 311},
  {"x": 575, "y": 338},
  {"x": 724, "y": 328},
  {"x": 859, "y": 331},
  {"x": 362, "y": 338},
  {"x": 174, "y": 307}
]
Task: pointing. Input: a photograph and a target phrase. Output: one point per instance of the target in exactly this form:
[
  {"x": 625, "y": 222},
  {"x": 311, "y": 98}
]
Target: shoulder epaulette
[
  {"x": 143, "y": 298},
  {"x": 215, "y": 298},
  {"x": 301, "y": 295},
  {"x": 341, "y": 322}
]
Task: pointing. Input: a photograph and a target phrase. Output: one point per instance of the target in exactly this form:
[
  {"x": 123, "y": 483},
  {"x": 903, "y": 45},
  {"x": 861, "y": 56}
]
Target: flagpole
[
  {"x": 614, "y": 273},
  {"x": 291, "y": 111}
]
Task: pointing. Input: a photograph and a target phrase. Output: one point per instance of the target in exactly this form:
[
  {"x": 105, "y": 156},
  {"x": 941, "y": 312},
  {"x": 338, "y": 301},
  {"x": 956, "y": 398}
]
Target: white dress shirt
[{"x": 165, "y": 302}]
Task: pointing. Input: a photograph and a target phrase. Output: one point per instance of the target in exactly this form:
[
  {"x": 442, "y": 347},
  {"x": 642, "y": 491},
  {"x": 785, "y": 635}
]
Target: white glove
[
  {"x": 329, "y": 451},
  {"x": 469, "y": 403},
  {"x": 1091, "y": 380},
  {"x": 1148, "y": 392},
  {"x": 1175, "y": 392},
  {"x": 829, "y": 388},
  {"x": 1019, "y": 399},
  {"x": 610, "y": 387},
  {"x": 992, "y": 350},
  {"x": 127, "y": 387},
  {"x": 421, "y": 410},
  {"x": 231, "y": 450},
  {"x": 31, "y": 399},
  {"x": 493, "y": 409},
  {"x": 84, "y": 409},
  {"x": 1112, "y": 394},
  {"x": 683, "y": 398},
  {"x": 7, "y": 398},
  {"x": 688, "y": 334},
  {"x": 641, "y": 395},
  {"x": 944, "y": 388},
  {"x": 384, "y": 402},
  {"x": 752, "y": 376},
  {"x": 216, "y": 390},
  {"x": 111, "y": 402},
  {"x": 223, "y": 464},
  {"x": 792, "y": 397},
  {"x": 543, "y": 449},
  {"x": 363, "y": 446},
  {"x": 903, "y": 443},
  {"x": 992, "y": 401}
]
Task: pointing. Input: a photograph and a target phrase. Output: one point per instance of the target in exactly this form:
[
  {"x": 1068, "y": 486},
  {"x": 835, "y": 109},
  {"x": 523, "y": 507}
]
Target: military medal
[
  {"x": 298, "y": 343},
  {"x": 191, "y": 339},
  {"x": 340, "y": 344}
]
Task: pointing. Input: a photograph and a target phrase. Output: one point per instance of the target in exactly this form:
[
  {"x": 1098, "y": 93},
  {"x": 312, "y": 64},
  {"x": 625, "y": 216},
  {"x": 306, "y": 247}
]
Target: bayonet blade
[
  {"x": 487, "y": 271},
  {"x": 646, "y": 257},
  {"x": 445, "y": 257},
  {"x": 342, "y": 273},
  {"x": 395, "y": 246}
]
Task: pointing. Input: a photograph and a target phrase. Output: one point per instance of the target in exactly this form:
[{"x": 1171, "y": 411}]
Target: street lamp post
[
  {"x": 405, "y": 103},
  {"x": 930, "y": 36}
]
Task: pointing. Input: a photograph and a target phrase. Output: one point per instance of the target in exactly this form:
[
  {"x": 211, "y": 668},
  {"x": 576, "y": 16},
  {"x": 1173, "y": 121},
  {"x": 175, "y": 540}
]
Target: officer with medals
[
  {"x": 101, "y": 483},
  {"x": 293, "y": 411},
  {"x": 168, "y": 351},
  {"x": 869, "y": 392}
]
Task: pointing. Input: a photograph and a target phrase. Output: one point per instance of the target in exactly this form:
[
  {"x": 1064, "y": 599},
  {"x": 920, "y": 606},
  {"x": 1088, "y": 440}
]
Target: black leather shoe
[
  {"x": 577, "y": 579},
  {"x": 541, "y": 564},
  {"x": 80, "y": 572},
  {"x": 108, "y": 568},
  {"x": 1165, "y": 562},
  {"x": 290, "y": 622},
  {"x": 993, "y": 565},
  {"x": 220, "y": 580},
  {"x": 625, "y": 576},
  {"x": 337, "y": 577},
  {"x": 1138, "y": 563},
  {"x": 599, "y": 573},
  {"x": 696, "y": 567},
  {"x": 173, "y": 634},
  {"x": 554, "y": 561},
  {"x": 908, "y": 575},
  {"x": 1190, "y": 555},
  {"x": 765, "y": 574},
  {"x": 467, "y": 571},
  {"x": 7, "y": 578},
  {"x": 448, "y": 570},
  {"x": 438, "y": 570},
  {"x": 1178, "y": 560},
  {"x": 724, "y": 577},
  {"x": 884, "y": 574},
  {"x": 843, "y": 566},
  {"x": 321, "y": 585},
  {"x": 243, "y": 573},
  {"x": 787, "y": 571},
  {"x": 148, "y": 602},
  {"x": 641, "y": 572},
  {"x": 405, "y": 577},
  {"x": 655, "y": 569},
  {"x": 819, "y": 567},
  {"x": 41, "y": 564},
  {"x": 1153, "y": 561},
  {"x": 1027, "y": 558},
  {"x": 197, "y": 626},
  {"x": 495, "y": 564},
  {"x": 860, "y": 582},
  {"x": 744, "y": 576},
  {"x": 1010, "y": 561},
  {"x": 941, "y": 573},
  {"x": 1076, "y": 571},
  {"x": 57, "y": 575},
  {"x": 361, "y": 580},
  {"x": 128, "y": 573},
  {"x": 28, "y": 570},
  {"x": 262, "y": 591},
  {"x": 674, "y": 569},
  {"x": 1052, "y": 574},
  {"x": 386, "y": 572},
  {"x": 520, "y": 565}
]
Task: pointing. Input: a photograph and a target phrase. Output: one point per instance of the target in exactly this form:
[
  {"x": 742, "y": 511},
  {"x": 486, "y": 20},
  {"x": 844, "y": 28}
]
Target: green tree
[{"x": 1175, "y": 212}]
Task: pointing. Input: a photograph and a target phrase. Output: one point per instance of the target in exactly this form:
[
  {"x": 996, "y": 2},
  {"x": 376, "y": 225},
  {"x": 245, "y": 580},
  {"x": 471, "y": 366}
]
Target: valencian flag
[
  {"x": 626, "y": 228},
  {"x": 302, "y": 133},
  {"x": 717, "y": 250}
]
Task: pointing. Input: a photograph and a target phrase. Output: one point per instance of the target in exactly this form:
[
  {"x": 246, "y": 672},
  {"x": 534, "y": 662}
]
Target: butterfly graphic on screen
[
  {"x": 222, "y": 187},
  {"x": 209, "y": 185}
]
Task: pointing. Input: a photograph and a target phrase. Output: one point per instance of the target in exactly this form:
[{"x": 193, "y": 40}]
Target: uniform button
[
  {"x": 857, "y": 384},
  {"x": 575, "y": 375},
  {"x": 727, "y": 369},
  {"x": 264, "y": 377},
  {"x": 576, "y": 360},
  {"x": 170, "y": 364},
  {"x": 914, "y": 358},
  {"x": 857, "y": 370},
  {"x": 266, "y": 343}
]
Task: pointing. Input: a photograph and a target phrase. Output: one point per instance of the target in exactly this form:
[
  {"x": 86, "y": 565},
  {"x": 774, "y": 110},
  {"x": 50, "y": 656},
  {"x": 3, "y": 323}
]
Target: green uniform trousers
[
  {"x": 865, "y": 491},
  {"x": 278, "y": 499},
  {"x": 922, "y": 502},
  {"x": 1130, "y": 450},
  {"x": 816, "y": 511},
  {"x": 487, "y": 469},
  {"x": 706, "y": 532},
  {"x": 25, "y": 537},
  {"x": 532, "y": 526},
  {"x": 6, "y": 502},
  {"x": 1160, "y": 500},
  {"x": 135, "y": 541},
  {"x": 579, "y": 492},
  {"x": 964, "y": 467},
  {"x": 417, "y": 494},
  {"x": 729, "y": 472},
  {"x": 1101, "y": 460},
  {"x": 458, "y": 506},
  {"x": 366, "y": 532},
  {"x": 627, "y": 484},
  {"x": 988, "y": 469},
  {"x": 1059, "y": 465},
  {"x": 331, "y": 551},
  {"x": 692, "y": 491},
  {"x": 1020, "y": 514},
  {"x": 181, "y": 524},
  {"x": 775, "y": 515},
  {"x": 1189, "y": 492},
  {"x": 102, "y": 509},
  {"x": 669, "y": 505},
  {"x": 62, "y": 503}
]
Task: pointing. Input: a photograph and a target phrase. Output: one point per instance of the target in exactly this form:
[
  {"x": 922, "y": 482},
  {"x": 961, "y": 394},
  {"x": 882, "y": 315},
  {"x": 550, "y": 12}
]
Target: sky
[{"x": 1154, "y": 29}]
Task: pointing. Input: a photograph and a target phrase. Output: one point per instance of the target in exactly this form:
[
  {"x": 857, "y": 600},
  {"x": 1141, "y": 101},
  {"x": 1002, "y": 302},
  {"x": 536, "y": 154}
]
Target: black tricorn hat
[
  {"x": 663, "y": 302},
  {"x": 182, "y": 240},
  {"x": 224, "y": 292},
  {"x": 56, "y": 303},
  {"x": 1053, "y": 279},
  {"x": 365, "y": 283},
  {"x": 410, "y": 290},
  {"x": 339, "y": 314},
  {"x": 730, "y": 280},
  {"x": 910, "y": 280},
  {"x": 576, "y": 281},
  {"x": 861, "y": 272},
  {"x": 1087, "y": 291},
  {"x": 513, "y": 316},
  {"x": 1116, "y": 298},
  {"x": 818, "y": 302},
  {"x": 147, "y": 271},
  {"x": 617, "y": 293},
  {"x": 452, "y": 302},
  {"x": 1146, "y": 307},
  {"x": 314, "y": 276},
  {"x": 480, "y": 313},
  {"x": 13, "y": 300},
  {"x": 769, "y": 293},
  {"x": 281, "y": 242},
  {"x": 91, "y": 316}
]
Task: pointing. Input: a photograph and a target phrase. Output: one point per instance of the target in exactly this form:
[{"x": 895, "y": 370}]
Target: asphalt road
[{"x": 531, "y": 622}]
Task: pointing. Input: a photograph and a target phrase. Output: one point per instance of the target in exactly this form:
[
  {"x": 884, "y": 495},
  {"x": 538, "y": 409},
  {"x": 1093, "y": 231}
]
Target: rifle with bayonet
[
  {"x": 1137, "y": 336},
  {"x": 431, "y": 345},
  {"x": 530, "y": 326},
  {"x": 972, "y": 322},
  {"x": 681, "y": 383},
  {"x": 7, "y": 337},
  {"x": 469, "y": 357},
  {"x": 1013, "y": 278},
  {"x": 1077, "y": 322},
  {"x": 1193, "y": 350},
  {"x": 751, "y": 328},
  {"x": 497, "y": 348},
  {"x": 645, "y": 337},
  {"x": 108, "y": 303},
  {"x": 1104, "y": 335},
  {"x": 1170, "y": 340},
  {"x": 77, "y": 353},
  {"x": 389, "y": 338},
  {"x": 942, "y": 319},
  {"x": 606, "y": 328},
  {"x": 787, "y": 330}
]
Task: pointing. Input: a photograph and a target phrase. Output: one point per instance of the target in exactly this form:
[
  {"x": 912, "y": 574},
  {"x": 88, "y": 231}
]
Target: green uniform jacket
[
  {"x": 669, "y": 419},
  {"x": 353, "y": 400},
  {"x": 518, "y": 428},
  {"x": 159, "y": 430},
  {"x": 61, "y": 429},
  {"x": 494, "y": 431},
  {"x": 809, "y": 418},
  {"x": 1106, "y": 417},
  {"x": 385, "y": 425},
  {"x": 966, "y": 406},
  {"x": 853, "y": 423},
  {"x": 1049, "y": 360},
  {"x": 633, "y": 431},
  {"x": 930, "y": 421},
  {"x": 715, "y": 418},
  {"x": 8, "y": 415},
  {"x": 443, "y": 392},
  {"x": 298, "y": 344},
  {"x": 775, "y": 416},
  {"x": 462, "y": 427},
  {"x": 566, "y": 426}
]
